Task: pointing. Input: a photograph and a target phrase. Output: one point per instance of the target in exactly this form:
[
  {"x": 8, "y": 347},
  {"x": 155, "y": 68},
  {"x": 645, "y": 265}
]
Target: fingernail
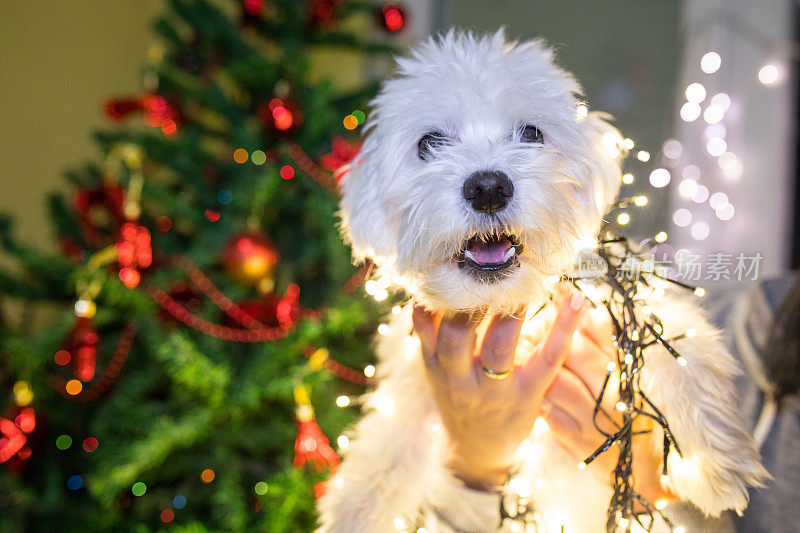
[{"x": 576, "y": 301}]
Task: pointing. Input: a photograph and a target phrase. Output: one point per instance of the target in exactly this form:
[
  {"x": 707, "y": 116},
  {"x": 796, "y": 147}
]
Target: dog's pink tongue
[{"x": 487, "y": 253}]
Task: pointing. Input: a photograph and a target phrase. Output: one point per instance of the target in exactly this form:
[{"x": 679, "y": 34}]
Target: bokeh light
[
  {"x": 74, "y": 387},
  {"x": 240, "y": 155},
  {"x": 695, "y": 92},
  {"x": 225, "y": 196},
  {"x": 258, "y": 157},
  {"x": 179, "y": 501},
  {"x": 710, "y": 62},
  {"x": 660, "y": 177},
  {"x": 768, "y": 74},
  {"x": 207, "y": 475},
  {"x": 74, "y": 482},
  {"x": 62, "y": 357},
  {"x": 90, "y": 444},
  {"x": 138, "y": 489},
  {"x": 700, "y": 231},
  {"x": 63, "y": 442},
  {"x": 287, "y": 172},
  {"x": 167, "y": 516},
  {"x": 261, "y": 488},
  {"x": 682, "y": 217},
  {"x": 690, "y": 111},
  {"x": 360, "y": 116}
]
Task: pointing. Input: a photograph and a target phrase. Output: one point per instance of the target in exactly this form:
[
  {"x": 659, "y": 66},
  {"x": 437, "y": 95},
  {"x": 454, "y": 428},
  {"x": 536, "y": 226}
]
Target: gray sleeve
[
  {"x": 463, "y": 510},
  {"x": 685, "y": 514}
]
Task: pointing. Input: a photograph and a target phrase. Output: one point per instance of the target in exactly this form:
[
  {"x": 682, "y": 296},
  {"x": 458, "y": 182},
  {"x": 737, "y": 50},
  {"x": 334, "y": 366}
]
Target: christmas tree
[{"x": 204, "y": 300}]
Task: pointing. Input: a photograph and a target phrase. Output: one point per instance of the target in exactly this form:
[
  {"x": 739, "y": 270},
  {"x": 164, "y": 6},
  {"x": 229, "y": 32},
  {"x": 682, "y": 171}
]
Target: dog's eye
[
  {"x": 531, "y": 134},
  {"x": 429, "y": 143}
]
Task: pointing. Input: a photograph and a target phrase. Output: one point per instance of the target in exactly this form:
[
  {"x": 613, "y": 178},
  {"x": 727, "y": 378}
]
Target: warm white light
[
  {"x": 627, "y": 179},
  {"x": 768, "y": 74},
  {"x": 710, "y": 62},
  {"x": 369, "y": 371},
  {"x": 715, "y": 130},
  {"x": 721, "y": 100},
  {"x": 581, "y": 111},
  {"x": 396, "y": 310},
  {"x": 661, "y": 236},
  {"x": 700, "y": 194},
  {"x": 399, "y": 523},
  {"x": 681, "y": 360},
  {"x": 581, "y": 465},
  {"x": 691, "y": 332},
  {"x": 713, "y": 114},
  {"x": 623, "y": 523},
  {"x": 643, "y": 156},
  {"x": 687, "y": 188},
  {"x": 342, "y": 401},
  {"x": 691, "y": 172},
  {"x": 716, "y": 146},
  {"x": 682, "y": 217},
  {"x": 383, "y": 329},
  {"x": 679, "y": 529},
  {"x": 699, "y": 292},
  {"x": 380, "y": 295},
  {"x": 661, "y": 504},
  {"x": 690, "y": 111},
  {"x": 672, "y": 149},
  {"x": 695, "y": 92},
  {"x": 384, "y": 404},
  {"x": 641, "y": 201},
  {"x": 540, "y": 426},
  {"x": 623, "y": 218},
  {"x": 621, "y": 406},
  {"x": 370, "y": 286},
  {"x": 628, "y": 358},
  {"x": 82, "y": 307},
  {"x": 343, "y": 442},
  {"x": 717, "y": 200},
  {"x": 628, "y": 144},
  {"x": 725, "y": 212},
  {"x": 700, "y": 231},
  {"x": 727, "y": 161},
  {"x": 660, "y": 177}
]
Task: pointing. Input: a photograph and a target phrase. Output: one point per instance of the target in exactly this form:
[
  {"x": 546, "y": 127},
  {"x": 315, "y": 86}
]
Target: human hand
[
  {"x": 487, "y": 419},
  {"x": 570, "y": 402}
]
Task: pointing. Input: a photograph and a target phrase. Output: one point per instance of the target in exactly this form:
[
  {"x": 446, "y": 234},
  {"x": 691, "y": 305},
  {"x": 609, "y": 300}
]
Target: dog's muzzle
[{"x": 489, "y": 257}]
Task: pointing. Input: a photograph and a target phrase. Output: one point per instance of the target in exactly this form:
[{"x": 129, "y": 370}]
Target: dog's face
[{"x": 478, "y": 174}]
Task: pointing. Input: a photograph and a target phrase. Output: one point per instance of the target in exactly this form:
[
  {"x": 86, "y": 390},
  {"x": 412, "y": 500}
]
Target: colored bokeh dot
[
  {"x": 360, "y": 116},
  {"x": 63, "y": 442},
  {"x": 207, "y": 475},
  {"x": 179, "y": 501},
  {"x": 74, "y": 482},
  {"x": 163, "y": 223},
  {"x": 167, "y": 515},
  {"x": 258, "y": 157},
  {"x": 138, "y": 488},
  {"x": 130, "y": 277},
  {"x": 212, "y": 215},
  {"x": 261, "y": 488},
  {"x": 23, "y": 395},
  {"x": 74, "y": 387},
  {"x": 287, "y": 172},
  {"x": 225, "y": 196},
  {"x": 62, "y": 357},
  {"x": 350, "y": 122},
  {"x": 90, "y": 444},
  {"x": 240, "y": 155}
]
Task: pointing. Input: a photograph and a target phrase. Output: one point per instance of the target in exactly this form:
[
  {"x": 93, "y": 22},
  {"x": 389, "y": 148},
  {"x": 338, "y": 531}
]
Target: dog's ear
[
  {"x": 364, "y": 217},
  {"x": 604, "y": 163}
]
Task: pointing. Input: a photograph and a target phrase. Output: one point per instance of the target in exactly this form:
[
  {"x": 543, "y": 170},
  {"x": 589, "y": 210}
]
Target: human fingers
[
  {"x": 500, "y": 342},
  {"x": 587, "y": 361},
  {"x": 455, "y": 344},
  {"x": 426, "y": 325},
  {"x": 568, "y": 393},
  {"x": 539, "y": 371},
  {"x": 597, "y": 327}
]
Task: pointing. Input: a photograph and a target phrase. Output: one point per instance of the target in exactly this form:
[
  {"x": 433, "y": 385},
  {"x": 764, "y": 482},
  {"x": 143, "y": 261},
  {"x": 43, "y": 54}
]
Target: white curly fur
[{"x": 409, "y": 216}]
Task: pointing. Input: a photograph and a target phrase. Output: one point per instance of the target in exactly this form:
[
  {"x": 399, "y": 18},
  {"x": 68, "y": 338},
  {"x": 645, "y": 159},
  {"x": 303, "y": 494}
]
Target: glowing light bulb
[
  {"x": 682, "y": 361},
  {"x": 643, "y": 156},
  {"x": 690, "y": 111},
  {"x": 540, "y": 426},
  {"x": 721, "y": 100},
  {"x": 716, "y": 146},
  {"x": 621, "y": 407},
  {"x": 679, "y": 529},
  {"x": 383, "y": 329},
  {"x": 687, "y": 188},
  {"x": 342, "y": 401},
  {"x": 582, "y": 465},
  {"x": 624, "y": 522},
  {"x": 369, "y": 371},
  {"x": 660, "y": 177},
  {"x": 691, "y": 332},
  {"x": 628, "y": 144},
  {"x": 695, "y": 92},
  {"x": 641, "y": 201},
  {"x": 623, "y": 218},
  {"x": 710, "y": 62},
  {"x": 581, "y": 111},
  {"x": 713, "y": 114},
  {"x": 700, "y": 292},
  {"x": 768, "y": 74},
  {"x": 627, "y": 179},
  {"x": 343, "y": 442},
  {"x": 664, "y": 479}
]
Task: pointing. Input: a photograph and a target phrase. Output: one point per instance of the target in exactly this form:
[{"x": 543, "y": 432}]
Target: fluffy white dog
[{"x": 477, "y": 179}]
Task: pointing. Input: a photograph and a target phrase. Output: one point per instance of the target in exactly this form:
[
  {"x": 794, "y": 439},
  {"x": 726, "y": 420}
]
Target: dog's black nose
[{"x": 488, "y": 191}]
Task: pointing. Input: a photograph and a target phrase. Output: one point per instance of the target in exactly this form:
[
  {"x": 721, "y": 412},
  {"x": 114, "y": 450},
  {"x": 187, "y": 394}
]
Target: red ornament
[
  {"x": 83, "y": 347},
  {"x": 134, "y": 253},
  {"x": 98, "y": 208},
  {"x": 249, "y": 258},
  {"x": 392, "y": 17},
  {"x": 281, "y": 117},
  {"x": 272, "y": 311},
  {"x": 312, "y": 446},
  {"x": 342, "y": 153},
  {"x": 322, "y": 12}
]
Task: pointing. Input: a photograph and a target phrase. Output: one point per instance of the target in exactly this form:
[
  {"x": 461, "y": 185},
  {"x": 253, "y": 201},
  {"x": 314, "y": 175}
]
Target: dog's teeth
[{"x": 509, "y": 253}]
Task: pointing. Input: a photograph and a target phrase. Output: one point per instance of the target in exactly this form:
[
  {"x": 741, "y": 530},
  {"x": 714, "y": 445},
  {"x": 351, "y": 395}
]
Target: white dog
[{"x": 477, "y": 179}]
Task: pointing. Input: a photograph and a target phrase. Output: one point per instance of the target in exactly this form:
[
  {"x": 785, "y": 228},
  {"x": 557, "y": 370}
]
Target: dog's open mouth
[{"x": 489, "y": 257}]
